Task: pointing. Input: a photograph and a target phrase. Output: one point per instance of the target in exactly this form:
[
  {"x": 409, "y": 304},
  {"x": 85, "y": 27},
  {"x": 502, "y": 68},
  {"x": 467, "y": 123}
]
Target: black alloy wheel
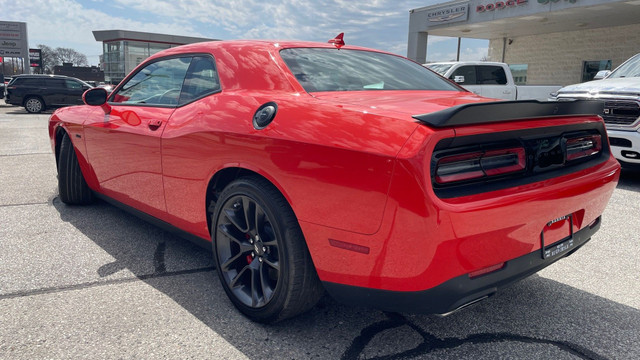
[
  {"x": 248, "y": 251},
  {"x": 261, "y": 256}
]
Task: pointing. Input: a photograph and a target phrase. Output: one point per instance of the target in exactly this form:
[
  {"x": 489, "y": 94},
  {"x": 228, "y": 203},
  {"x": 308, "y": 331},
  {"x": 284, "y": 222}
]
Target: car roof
[
  {"x": 42, "y": 76},
  {"x": 255, "y": 45},
  {"x": 465, "y": 63}
]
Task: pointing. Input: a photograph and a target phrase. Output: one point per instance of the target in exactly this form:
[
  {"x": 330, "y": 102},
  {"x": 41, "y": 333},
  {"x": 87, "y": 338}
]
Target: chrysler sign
[{"x": 449, "y": 14}]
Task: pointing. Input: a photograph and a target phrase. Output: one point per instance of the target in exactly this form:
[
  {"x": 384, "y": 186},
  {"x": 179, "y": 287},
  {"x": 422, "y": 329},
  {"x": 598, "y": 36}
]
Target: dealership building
[
  {"x": 123, "y": 50},
  {"x": 545, "y": 41}
]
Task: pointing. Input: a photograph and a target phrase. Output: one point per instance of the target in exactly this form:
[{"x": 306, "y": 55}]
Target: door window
[
  {"x": 469, "y": 73},
  {"x": 29, "y": 82},
  {"x": 55, "y": 83},
  {"x": 201, "y": 79},
  {"x": 158, "y": 83},
  {"x": 491, "y": 75}
]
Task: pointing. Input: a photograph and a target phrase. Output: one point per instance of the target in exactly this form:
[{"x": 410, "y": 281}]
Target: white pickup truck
[
  {"x": 490, "y": 79},
  {"x": 620, "y": 91}
]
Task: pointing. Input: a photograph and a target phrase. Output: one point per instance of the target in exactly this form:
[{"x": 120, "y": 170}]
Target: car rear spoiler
[{"x": 490, "y": 112}]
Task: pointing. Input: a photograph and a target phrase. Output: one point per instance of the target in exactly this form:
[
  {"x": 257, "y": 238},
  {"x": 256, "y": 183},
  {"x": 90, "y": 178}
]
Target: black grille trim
[
  {"x": 620, "y": 142},
  {"x": 621, "y": 112}
]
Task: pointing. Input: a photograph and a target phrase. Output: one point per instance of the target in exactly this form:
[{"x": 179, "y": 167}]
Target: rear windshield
[{"x": 320, "y": 69}]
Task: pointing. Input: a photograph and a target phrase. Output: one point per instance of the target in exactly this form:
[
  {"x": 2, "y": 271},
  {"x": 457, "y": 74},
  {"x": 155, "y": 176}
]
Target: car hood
[
  {"x": 625, "y": 86},
  {"x": 403, "y": 104}
]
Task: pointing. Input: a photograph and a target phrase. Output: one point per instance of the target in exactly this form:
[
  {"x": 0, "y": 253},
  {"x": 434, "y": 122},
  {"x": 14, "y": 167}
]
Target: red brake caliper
[{"x": 249, "y": 258}]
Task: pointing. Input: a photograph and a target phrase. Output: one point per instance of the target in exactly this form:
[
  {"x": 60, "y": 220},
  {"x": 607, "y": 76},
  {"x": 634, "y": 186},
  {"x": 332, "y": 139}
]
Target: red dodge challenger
[{"x": 309, "y": 167}]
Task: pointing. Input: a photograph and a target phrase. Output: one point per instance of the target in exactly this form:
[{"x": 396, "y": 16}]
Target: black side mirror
[{"x": 95, "y": 96}]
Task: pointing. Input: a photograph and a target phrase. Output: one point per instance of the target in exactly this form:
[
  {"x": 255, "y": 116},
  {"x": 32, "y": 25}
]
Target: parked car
[
  {"x": 309, "y": 167},
  {"x": 620, "y": 90},
  {"x": 3, "y": 82},
  {"x": 490, "y": 79},
  {"x": 39, "y": 92}
]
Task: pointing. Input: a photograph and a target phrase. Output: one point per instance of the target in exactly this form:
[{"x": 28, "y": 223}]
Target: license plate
[
  {"x": 559, "y": 233},
  {"x": 558, "y": 249}
]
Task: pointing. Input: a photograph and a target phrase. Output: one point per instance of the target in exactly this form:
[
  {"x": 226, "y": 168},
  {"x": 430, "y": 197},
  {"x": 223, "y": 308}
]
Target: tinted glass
[
  {"x": 319, "y": 69},
  {"x": 201, "y": 79},
  {"x": 469, "y": 73},
  {"x": 72, "y": 84},
  {"x": 55, "y": 83},
  {"x": 158, "y": 83},
  {"x": 29, "y": 82},
  {"x": 591, "y": 68},
  {"x": 491, "y": 75}
]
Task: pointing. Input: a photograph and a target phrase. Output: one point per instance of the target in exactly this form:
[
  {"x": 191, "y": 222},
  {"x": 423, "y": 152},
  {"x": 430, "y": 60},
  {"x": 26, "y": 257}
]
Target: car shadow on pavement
[
  {"x": 535, "y": 318},
  {"x": 19, "y": 110}
]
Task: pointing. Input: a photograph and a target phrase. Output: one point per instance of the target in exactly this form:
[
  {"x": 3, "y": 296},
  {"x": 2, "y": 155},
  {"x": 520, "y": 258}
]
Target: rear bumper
[{"x": 458, "y": 292}]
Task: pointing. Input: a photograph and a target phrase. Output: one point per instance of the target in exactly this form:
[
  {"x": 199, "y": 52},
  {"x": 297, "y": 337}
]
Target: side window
[
  {"x": 469, "y": 73},
  {"x": 158, "y": 83},
  {"x": 30, "y": 82},
  {"x": 491, "y": 75},
  {"x": 201, "y": 79},
  {"x": 55, "y": 83},
  {"x": 72, "y": 84}
]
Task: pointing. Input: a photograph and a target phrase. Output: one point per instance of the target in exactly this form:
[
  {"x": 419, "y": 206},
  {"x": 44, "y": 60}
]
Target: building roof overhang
[
  {"x": 537, "y": 19},
  {"x": 114, "y": 35}
]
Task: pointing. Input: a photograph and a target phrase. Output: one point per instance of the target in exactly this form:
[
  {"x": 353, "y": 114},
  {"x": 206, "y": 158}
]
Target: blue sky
[{"x": 380, "y": 24}]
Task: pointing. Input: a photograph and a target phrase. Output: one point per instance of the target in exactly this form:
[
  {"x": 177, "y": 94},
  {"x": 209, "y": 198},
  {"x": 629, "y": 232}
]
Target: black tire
[
  {"x": 34, "y": 105},
  {"x": 72, "y": 187},
  {"x": 263, "y": 264}
]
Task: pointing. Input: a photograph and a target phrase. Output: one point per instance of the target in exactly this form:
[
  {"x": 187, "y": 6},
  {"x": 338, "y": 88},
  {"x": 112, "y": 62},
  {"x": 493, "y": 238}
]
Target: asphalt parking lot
[{"x": 95, "y": 282}]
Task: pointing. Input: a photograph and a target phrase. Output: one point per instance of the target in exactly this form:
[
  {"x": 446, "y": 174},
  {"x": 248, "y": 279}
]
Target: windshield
[
  {"x": 439, "y": 68},
  {"x": 321, "y": 69},
  {"x": 86, "y": 84},
  {"x": 631, "y": 68}
]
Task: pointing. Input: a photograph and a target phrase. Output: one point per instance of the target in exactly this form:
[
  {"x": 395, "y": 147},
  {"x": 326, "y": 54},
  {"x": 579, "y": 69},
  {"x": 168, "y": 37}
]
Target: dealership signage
[
  {"x": 13, "y": 39},
  {"x": 35, "y": 57},
  {"x": 499, "y": 5},
  {"x": 449, "y": 14}
]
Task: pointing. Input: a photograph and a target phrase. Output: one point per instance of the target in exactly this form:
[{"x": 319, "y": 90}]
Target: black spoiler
[{"x": 489, "y": 112}]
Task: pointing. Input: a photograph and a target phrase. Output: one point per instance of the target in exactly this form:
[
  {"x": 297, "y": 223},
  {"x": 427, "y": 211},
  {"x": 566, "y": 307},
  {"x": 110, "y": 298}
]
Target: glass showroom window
[
  {"x": 519, "y": 72},
  {"x": 591, "y": 68}
]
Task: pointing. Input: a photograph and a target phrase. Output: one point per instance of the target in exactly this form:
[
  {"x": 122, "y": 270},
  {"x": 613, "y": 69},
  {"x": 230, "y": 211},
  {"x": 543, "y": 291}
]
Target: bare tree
[
  {"x": 52, "y": 57},
  {"x": 48, "y": 58},
  {"x": 67, "y": 55}
]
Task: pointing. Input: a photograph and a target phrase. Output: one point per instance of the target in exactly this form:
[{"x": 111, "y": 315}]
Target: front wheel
[
  {"x": 261, "y": 255},
  {"x": 72, "y": 187},
  {"x": 34, "y": 105}
]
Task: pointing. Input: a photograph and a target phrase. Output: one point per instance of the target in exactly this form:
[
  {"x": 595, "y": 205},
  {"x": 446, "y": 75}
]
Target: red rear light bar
[
  {"x": 584, "y": 146},
  {"x": 480, "y": 164}
]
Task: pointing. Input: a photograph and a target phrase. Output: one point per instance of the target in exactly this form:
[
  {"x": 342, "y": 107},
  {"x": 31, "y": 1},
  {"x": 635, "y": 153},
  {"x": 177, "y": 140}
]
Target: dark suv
[{"x": 39, "y": 92}]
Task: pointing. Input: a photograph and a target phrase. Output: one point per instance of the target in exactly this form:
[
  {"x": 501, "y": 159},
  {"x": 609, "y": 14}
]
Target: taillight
[
  {"x": 584, "y": 146},
  {"x": 480, "y": 164}
]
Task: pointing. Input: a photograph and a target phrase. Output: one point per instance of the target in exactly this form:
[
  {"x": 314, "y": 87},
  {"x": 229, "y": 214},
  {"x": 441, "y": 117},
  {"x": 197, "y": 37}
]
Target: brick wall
[{"x": 556, "y": 59}]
